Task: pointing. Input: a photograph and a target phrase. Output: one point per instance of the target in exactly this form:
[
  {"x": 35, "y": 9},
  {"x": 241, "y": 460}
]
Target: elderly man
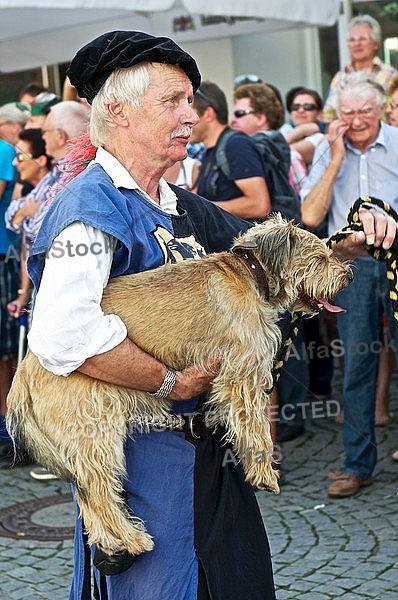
[
  {"x": 209, "y": 536},
  {"x": 358, "y": 158},
  {"x": 364, "y": 40}
]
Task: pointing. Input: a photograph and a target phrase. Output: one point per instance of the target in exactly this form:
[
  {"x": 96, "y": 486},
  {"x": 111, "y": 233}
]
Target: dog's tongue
[{"x": 331, "y": 307}]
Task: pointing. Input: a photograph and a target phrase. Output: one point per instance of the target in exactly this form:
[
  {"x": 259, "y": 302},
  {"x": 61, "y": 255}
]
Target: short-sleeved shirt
[
  {"x": 244, "y": 161},
  {"x": 7, "y": 174}
]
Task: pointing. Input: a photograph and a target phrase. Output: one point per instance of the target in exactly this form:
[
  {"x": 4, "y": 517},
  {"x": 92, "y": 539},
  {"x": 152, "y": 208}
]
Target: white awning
[{"x": 38, "y": 32}]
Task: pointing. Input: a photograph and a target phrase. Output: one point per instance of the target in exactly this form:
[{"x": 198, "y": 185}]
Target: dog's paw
[
  {"x": 262, "y": 476},
  {"x": 136, "y": 542}
]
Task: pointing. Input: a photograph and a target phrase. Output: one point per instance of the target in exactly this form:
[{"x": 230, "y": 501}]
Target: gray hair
[
  {"x": 11, "y": 112},
  {"x": 370, "y": 22},
  {"x": 70, "y": 116},
  {"x": 127, "y": 86},
  {"x": 360, "y": 86}
]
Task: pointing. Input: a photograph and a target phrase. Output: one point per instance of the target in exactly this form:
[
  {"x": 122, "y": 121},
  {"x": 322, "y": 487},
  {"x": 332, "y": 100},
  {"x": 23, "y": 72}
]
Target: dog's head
[{"x": 303, "y": 274}]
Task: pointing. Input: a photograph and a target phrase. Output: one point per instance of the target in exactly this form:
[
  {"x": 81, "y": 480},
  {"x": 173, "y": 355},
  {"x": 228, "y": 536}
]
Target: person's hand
[
  {"x": 335, "y": 137},
  {"x": 30, "y": 207},
  {"x": 378, "y": 229},
  {"x": 27, "y": 210},
  {"x": 16, "y": 306},
  {"x": 192, "y": 381}
]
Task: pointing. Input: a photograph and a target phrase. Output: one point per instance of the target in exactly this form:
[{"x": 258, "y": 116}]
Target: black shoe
[
  {"x": 286, "y": 433},
  {"x": 113, "y": 564}
]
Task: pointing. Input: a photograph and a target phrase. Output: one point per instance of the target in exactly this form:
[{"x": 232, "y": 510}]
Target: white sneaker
[{"x": 42, "y": 473}]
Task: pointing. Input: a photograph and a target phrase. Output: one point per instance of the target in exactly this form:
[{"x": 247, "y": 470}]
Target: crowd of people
[{"x": 147, "y": 134}]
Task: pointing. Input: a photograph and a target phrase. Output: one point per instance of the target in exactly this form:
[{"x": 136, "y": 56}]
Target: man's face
[
  {"x": 244, "y": 118},
  {"x": 53, "y": 138},
  {"x": 362, "y": 116},
  {"x": 162, "y": 125},
  {"x": 361, "y": 45}
]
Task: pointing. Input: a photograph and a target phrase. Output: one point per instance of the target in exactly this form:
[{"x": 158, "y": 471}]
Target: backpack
[{"x": 275, "y": 152}]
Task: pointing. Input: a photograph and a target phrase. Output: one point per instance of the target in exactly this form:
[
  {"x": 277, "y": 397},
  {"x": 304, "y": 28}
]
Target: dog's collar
[{"x": 254, "y": 267}]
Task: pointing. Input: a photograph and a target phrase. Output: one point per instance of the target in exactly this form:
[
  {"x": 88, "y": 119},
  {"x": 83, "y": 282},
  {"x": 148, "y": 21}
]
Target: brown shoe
[
  {"x": 346, "y": 484},
  {"x": 335, "y": 474}
]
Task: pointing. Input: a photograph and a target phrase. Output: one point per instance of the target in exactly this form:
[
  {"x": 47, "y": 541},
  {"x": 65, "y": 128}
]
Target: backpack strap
[{"x": 220, "y": 159}]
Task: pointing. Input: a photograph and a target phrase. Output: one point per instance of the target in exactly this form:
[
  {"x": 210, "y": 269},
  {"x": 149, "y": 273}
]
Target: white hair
[
  {"x": 11, "y": 112},
  {"x": 70, "y": 116},
  {"x": 370, "y": 22},
  {"x": 360, "y": 86},
  {"x": 127, "y": 86}
]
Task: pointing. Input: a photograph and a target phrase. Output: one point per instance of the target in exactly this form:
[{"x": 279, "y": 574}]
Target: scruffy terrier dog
[{"x": 226, "y": 305}]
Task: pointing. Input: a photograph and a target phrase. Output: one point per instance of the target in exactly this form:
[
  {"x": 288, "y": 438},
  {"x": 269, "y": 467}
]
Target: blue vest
[{"x": 160, "y": 465}]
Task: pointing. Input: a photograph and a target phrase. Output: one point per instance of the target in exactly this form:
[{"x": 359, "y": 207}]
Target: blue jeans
[{"x": 360, "y": 332}]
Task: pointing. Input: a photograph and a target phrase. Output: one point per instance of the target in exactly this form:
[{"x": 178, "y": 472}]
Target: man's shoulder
[
  {"x": 379, "y": 65},
  {"x": 390, "y": 135}
]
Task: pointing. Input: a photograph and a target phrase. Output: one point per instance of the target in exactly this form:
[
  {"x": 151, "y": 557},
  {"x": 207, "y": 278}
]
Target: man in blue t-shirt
[{"x": 243, "y": 192}]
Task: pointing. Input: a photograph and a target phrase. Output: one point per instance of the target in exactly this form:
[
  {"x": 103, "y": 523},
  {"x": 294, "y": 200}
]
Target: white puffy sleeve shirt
[{"x": 68, "y": 324}]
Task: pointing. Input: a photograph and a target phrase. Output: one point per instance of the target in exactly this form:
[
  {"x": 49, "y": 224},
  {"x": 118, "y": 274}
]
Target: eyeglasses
[
  {"x": 21, "y": 156},
  {"x": 347, "y": 114},
  {"x": 306, "y": 106},
  {"x": 43, "y": 131},
  {"x": 359, "y": 38},
  {"x": 240, "y": 79},
  {"x": 242, "y": 113}
]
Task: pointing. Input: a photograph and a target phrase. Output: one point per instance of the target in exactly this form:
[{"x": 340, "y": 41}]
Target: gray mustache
[{"x": 184, "y": 132}]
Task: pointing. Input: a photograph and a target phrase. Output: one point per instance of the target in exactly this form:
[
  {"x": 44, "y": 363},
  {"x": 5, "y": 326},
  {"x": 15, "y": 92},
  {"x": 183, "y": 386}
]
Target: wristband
[{"x": 167, "y": 385}]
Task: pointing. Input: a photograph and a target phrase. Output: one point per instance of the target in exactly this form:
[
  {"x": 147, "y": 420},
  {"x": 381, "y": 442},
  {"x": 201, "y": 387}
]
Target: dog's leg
[
  {"x": 100, "y": 469},
  {"x": 239, "y": 398},
  {"x": 248, "y": 428}
]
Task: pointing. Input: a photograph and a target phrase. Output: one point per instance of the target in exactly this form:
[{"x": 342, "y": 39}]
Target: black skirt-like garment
[{"x": 230, "y": 537}]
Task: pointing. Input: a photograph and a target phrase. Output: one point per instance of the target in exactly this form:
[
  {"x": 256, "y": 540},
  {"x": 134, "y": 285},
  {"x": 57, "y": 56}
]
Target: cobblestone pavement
[{"x": 322, "y": 549}]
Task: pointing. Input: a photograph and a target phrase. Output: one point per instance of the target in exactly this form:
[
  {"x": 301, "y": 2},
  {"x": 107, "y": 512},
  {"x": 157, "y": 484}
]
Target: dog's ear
[
  {"x": 275, "y": 245},
  {"x": 247, "y": 245}
]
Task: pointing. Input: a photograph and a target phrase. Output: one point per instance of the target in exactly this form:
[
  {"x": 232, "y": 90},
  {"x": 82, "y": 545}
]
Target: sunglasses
[
  {"x": 242, "y": 113},
  {"x": 306, "y": 106},
  {"x": 21, "y": 156},
  {"x": 250, "y": 78}
]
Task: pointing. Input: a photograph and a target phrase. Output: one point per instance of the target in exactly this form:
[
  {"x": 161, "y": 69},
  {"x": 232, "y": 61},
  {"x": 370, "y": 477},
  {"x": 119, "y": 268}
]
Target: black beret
[{"x": 93, "y": 63}]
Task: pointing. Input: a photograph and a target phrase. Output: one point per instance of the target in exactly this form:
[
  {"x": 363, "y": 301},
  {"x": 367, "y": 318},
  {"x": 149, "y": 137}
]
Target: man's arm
[
  {"x": 316, "y": 204},
  {"x": 254, "y": 203},
  {"x": 80, "y": 337},
  {"x": 129, "y": 366}
]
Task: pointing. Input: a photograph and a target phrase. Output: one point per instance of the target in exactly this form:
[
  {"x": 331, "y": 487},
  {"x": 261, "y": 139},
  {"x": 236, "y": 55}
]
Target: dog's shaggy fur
[{"x": 183, "y": 314}]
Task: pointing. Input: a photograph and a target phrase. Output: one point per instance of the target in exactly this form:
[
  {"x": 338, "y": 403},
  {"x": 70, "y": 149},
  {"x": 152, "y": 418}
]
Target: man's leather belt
[{"x": 193, "y": 423}]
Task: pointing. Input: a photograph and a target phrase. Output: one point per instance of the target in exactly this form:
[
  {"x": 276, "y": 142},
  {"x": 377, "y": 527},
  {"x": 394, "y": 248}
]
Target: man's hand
[
  {"x": 192, "y": 381},
  {"x": 378, "y": 229},
  {"x": 335, "y": 137}
]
